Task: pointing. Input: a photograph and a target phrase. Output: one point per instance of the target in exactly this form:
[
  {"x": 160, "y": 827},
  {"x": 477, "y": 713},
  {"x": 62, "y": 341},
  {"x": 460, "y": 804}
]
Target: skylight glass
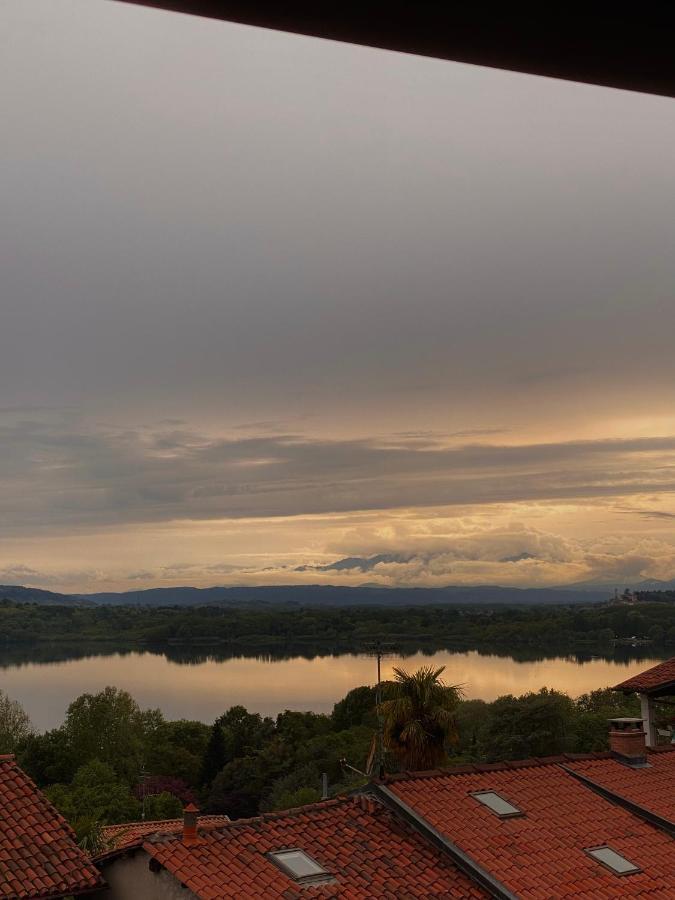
[
  {"x": 613, "y": 860},
  {"x": 497, "y": 804},
  {"x": 298, "y": 864}
]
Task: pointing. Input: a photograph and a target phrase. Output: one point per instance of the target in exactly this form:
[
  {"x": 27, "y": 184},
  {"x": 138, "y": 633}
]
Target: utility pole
[
  {"x": 379, "y": 650},
  {"x": 380, "y": 722}
]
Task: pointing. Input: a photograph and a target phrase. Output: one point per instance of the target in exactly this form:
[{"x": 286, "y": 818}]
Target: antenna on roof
[
  {"x": 143, "y": 776},
  {"x": 379, "y": 650}
]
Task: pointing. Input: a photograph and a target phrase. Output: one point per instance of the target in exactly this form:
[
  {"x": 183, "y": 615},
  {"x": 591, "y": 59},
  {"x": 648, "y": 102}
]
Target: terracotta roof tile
[
  {"x": 38, "y": 854},
  {"x": 652, "y": 679},
  {"x": 652, "y": 787},
  {"x": 368, "y": 854},
  {"x": 541, "y": 853}
]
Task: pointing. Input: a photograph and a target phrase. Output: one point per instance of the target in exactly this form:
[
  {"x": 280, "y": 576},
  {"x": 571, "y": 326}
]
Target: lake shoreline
[{"x": 200, "y": 683}]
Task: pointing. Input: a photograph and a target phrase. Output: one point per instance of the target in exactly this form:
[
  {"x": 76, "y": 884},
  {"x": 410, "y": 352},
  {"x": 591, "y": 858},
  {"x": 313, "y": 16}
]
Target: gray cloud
[
  {"x": 28, "y": 576},
  {"x": 56, "y": 477},
  {"x": 358, "y": 563},
  {"x": 328, "y": 230},
  {"x": 518, "y": 557},
  {"x": 649, "y": 513}
]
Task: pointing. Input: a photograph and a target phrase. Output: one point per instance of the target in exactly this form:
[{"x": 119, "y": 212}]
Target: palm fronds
[{"x": 419, "y": 717}]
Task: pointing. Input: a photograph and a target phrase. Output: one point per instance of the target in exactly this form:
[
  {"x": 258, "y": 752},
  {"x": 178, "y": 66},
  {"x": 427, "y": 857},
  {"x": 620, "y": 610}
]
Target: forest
[{"x": 561, "y": 627}]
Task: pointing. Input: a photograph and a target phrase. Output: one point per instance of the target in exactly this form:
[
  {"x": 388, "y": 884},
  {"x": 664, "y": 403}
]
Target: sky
[{"x": 269, "y": 302}]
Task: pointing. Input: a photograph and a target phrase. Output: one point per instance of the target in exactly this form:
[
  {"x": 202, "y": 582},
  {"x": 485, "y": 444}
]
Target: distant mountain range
[
  {"x": 317, "y": 595},
  {"x": 330, "y": 595},
  {"x": 20, "y": 594}
]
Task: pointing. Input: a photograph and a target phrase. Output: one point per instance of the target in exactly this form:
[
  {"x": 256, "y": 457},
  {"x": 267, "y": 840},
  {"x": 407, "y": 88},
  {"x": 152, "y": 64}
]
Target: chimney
[
  {"x": 190, "y": 814},
  {"x": 627, "y": 741}
]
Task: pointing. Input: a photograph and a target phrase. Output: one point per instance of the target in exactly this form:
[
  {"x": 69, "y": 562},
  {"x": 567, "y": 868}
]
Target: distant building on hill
[{"x": 626, "y": 597}]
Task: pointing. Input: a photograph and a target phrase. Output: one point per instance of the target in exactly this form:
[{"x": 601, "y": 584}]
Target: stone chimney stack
[
  {"x": 627, "y": 741},
  {"x": 190, "y": 814}
]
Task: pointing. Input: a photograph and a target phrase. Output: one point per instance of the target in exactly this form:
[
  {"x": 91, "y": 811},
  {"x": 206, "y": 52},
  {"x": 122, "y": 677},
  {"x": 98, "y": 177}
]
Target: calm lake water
[{"x": 204, "y": 689}]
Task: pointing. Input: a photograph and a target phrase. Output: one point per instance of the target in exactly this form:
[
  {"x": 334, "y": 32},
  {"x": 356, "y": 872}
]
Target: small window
[
  {"x": 299, "y": 865},
  {"x": 497, "y": 804},
  {"x": 613, "y": 860}
]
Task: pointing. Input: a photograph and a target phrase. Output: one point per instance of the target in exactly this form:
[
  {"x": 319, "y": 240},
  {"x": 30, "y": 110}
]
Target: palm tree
[{"x": 419, "y": 717}]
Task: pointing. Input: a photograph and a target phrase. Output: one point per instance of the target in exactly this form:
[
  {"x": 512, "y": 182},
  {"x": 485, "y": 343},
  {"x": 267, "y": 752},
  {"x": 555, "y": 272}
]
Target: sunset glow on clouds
[
  {"x": 175, "y": 507},
  {"x": 270, "y": 302}
]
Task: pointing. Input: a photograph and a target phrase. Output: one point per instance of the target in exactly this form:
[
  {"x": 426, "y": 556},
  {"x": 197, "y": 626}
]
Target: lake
[{"x": 205, "y": 686}]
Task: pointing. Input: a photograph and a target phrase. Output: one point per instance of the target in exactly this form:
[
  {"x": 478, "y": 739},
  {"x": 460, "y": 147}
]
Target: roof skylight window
[
  {"x": 299, "y": 865},
  {"x": 497, "y": 804},
  {"x": 613, "y": 860}
]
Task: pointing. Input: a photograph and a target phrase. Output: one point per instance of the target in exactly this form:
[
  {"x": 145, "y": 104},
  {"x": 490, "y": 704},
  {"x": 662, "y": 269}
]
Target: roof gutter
[
  {"x": 635, "y": 808},
  {"x": 461, "y": 859}
]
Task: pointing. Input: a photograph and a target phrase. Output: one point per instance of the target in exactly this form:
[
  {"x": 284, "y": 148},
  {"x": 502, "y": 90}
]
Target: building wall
[{"x": 129, "y": 878}]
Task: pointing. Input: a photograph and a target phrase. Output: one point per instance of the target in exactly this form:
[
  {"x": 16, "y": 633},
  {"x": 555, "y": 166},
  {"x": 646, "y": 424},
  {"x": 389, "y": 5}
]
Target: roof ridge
[
  {"x": 146, "y": 823},
  {"x": 250, "y": 822},
  {"x": 500, "y": 766},
  {"x": 142, "y": 824},
  {"x": 294, "y": 811}
]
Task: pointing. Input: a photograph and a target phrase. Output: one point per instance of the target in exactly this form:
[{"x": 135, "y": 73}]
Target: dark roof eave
[
  {"x": 627, "y": 50},
  {"x": 661, "y": 690}
]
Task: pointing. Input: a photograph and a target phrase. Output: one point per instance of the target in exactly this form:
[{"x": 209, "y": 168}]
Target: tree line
[{"x": 568, "y": 627}]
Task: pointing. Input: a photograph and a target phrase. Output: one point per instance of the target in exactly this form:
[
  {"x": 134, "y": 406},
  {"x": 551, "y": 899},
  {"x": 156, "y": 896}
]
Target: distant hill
[
  {"x": 19, "y": 594},
  {"x": 652, "y": 584},
  {"x": 329, "y": 595}
]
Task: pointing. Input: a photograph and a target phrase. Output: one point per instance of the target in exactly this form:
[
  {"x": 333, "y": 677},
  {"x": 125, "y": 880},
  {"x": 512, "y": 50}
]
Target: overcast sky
[{"x": 267, "y": 301}]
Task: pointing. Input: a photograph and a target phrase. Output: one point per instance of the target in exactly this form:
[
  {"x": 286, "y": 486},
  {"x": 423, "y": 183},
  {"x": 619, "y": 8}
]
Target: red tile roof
[
  {"x": 129, "y": 834},
  {"x": 39, "y": 857},
  {"x": 652, "y": 787},
  {"x": 541, "y": 854},
  {"x": 368, "y": 852},
  {"x": 659, "y": 676}
]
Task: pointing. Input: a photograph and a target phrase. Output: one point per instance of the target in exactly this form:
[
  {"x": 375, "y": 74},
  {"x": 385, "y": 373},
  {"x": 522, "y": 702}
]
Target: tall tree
[
  {"x": 419, "y": 717},
  {"x": 541, "y": 723},
  {"x": 96, "y": 796},
  {"x": 15, "y": 726},
  {"x": 215, "y": 755},
  {"x": 109, "y": 726}
]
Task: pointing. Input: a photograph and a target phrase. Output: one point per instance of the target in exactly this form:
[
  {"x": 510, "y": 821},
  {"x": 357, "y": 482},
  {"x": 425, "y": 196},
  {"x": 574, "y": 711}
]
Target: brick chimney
[
  {"x": 190, "y": 814},
  {"x": 627, "y": 741}
]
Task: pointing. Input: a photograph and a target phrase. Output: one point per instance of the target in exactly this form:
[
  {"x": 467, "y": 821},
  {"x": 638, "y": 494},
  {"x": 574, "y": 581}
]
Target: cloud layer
[
  {"x": 467, "y": 550},
  {"x": 361, "y": 304},
  {"x": 58, "y": 476},
  {"x": 167, "y": 504}
]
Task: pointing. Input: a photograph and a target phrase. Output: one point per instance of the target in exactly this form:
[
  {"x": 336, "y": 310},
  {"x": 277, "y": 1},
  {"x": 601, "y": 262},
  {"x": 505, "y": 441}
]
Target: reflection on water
[{"x": 198, "y": 684}]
